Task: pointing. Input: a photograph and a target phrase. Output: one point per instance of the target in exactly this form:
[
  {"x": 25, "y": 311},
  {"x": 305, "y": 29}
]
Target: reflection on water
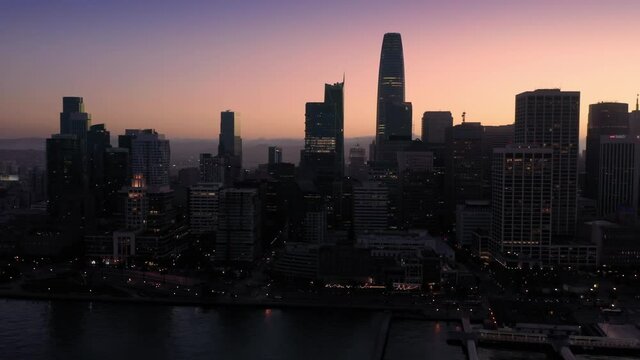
[
  {"x": 411, "y": 339},
  {"x": 80, "y": 330}
]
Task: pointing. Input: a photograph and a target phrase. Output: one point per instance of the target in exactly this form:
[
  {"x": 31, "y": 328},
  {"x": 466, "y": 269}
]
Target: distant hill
[{"x": 184, "y": 152}]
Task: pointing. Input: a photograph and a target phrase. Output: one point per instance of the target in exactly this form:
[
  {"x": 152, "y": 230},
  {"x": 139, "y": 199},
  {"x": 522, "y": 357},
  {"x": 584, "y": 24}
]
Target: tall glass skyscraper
[
  {"x": 323, "y": 153},
  {"x": 393, "y": 119},
  {"x": 73, "y": 119}
]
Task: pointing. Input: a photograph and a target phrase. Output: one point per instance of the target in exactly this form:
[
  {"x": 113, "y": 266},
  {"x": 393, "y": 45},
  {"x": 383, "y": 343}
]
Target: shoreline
[{"x": 420, "y": 312}]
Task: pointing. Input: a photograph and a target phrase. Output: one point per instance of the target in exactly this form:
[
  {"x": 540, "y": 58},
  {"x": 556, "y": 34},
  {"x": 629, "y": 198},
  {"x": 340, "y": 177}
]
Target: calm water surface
[{"x": 79, "y": 330}]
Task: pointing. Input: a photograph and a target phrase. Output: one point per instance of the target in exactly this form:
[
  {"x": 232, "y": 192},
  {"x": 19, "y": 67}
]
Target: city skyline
[{"x": 162, "y": 68}]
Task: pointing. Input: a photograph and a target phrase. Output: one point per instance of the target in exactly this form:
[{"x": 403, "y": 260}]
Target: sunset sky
[{"x": 174, "y": 65}]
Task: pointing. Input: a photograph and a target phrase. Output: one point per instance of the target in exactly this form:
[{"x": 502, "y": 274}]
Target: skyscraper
[
  {"x": 334, "y": 94},
  {"x": 634, "y": 120},
  {"x": 98, "y": 141},
  {"x": 393, "y": 119},
  {"x": 203, "y": 207},
  {"x": 464, "y": 170},
  {"x": 618, "y": 175},
  {"x": 65, "y": 180},
  {"x": 358, "y": 163},
  {"x": 275, "y": 155},
  {"x": 434, "y": 126},
  {"x": 73, "y": 119},
  {"x": 150, "y": 156},
  {"x": 521, "y": 203},
  {"x": 551, "y": 118},
  {"x": 70, "y": 203},
  {"x": 324, "y": 139},
  {"x": 238, "y": 238},
  {"x": 370, "y": 207},
  {"x": 605, "y": 118},
  {"x": 230, "y": 142}
]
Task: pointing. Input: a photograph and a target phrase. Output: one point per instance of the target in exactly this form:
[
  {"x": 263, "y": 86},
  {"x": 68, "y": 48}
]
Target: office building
[
  {"x": 618, "y": 176},
  {"x": 472, "y": 216},
  {"x": 358, "y": 163},
  {"x": 73, "y": 119},
  {"x": 322, "y": 159},
  {"x": 370, "y": 207},
  {"x": 551, "y": 118},
  {"x": 435, "y": 125},
  {"x": 238, "y": 238},
  {"x": 605, "y": 118},
  {"x": 275, "y": 155},
  {"x": 65, "y": 179},
  {"x": 203, "y": 207},
  {"x": 522, "y": 204},
  {"x": 634, "y": 121},
  {"x": 136, "y": 204},
  {"x": 230, "y": 145},
  {"x": 464, "y": 165},
  {"x": 116, "y": 175},
  {"x": 394, "y": 115},
  {"x": 150, "y": 156}
]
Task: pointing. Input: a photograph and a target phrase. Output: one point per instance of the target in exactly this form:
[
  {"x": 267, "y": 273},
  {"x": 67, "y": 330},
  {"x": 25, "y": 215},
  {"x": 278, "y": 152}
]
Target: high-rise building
[
  {"x": 207, "y": 167},
  {"x": 370, "y": 207},
  {"x": 98, "y": 141},
  {"x": 358, "y": 163},
  {"x": 203, "y": 207},
  {"x": 73, "y": 119},
  {"x": 605, "y": 118},
  {"x": 522, "y": 203},
  {"x": 634, "y": 120},
  {"x": 464, "y": 171},
  {"x": 136, "y": 204},
  {"x": 275, "y": 155},
  {"x": 334, "y": 94},
  {"x": 150, "y": 156},
  {"x": 618, "y": 176},
  {"x": 551, "y": 118},
  {"x": 394, "y": 115},
  {"x": 65, "y": 179},
  {"x": 472, "y": 216},
  {"x": 494, "y": 137},
  {"x": 116, "y": 175},
  {"x": 322, "y": 158},
  {"x": 435, "y": 125},
  {"x": 230, "y": 141},
  {"x": 238, "y": 238}
]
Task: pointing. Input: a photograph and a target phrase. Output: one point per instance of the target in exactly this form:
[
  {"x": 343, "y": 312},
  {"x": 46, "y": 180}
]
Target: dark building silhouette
[
  {"x": 551, "y": 118},
  {"x": 618, "y": 176},
  {"x": 230, "y": 141},
  {"x": 320, "y": 160},
  {"x": 464, "y": 164},
  {"x": 521, "y": 204},
  {"x": 394, "y": 115},
  {"x": 65, "y": 180},
  {"x": 435, "y": 125},
  {"x": 605, "y": 118},
  {"x": 494, "y": 137},
  {"x": 634, "y": 120},
  {"x": 117, "y": 174},
  {"x": 70, "y": 204},
  {"x": 358, "y": 163},
  {"x": 275, "y": 155},
  {"x": 230, "y": 146},
  {"x": 98, "y": 141},
  {"x": 73, "y": 119}
]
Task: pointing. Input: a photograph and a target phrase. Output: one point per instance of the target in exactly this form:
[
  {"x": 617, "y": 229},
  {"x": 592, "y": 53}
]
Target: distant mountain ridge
[{"x": 185, "y": 152}]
